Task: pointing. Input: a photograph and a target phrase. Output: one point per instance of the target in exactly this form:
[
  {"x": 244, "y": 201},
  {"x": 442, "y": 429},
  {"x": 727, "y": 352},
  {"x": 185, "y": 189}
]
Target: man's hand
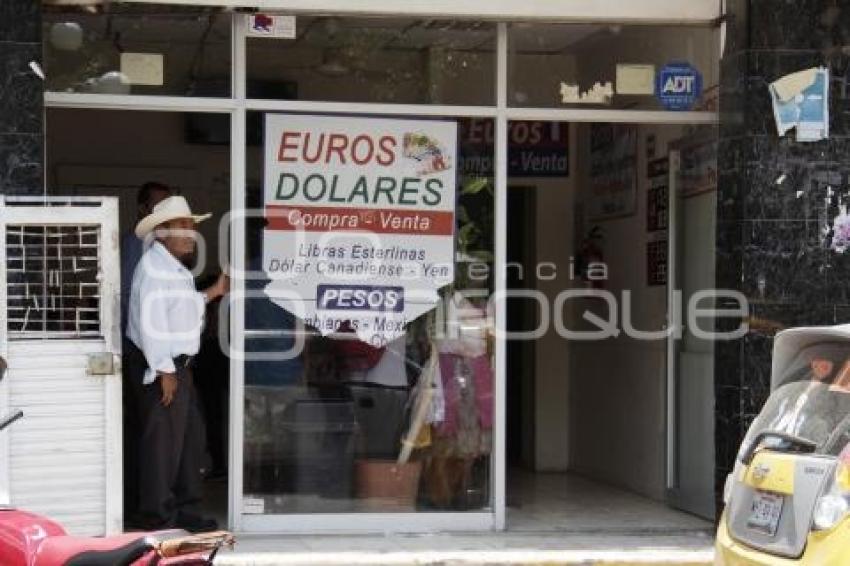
[
  {"x": 168, "y": 382},
  {"x": 219, "y": 288}
]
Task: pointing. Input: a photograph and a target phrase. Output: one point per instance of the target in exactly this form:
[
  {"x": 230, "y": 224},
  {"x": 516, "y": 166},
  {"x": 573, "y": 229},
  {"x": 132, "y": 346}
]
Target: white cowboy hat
[{"x": 165, "y": 210}]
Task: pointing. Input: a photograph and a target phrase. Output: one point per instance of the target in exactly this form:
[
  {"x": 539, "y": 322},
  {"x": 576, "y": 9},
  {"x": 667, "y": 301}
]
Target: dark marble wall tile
[
  {"x": 839, "y": 101},
  {"x": 788, "y": 315},
  {"x": 729, "y": 246},
  {"x": 783, "y": 261},
  {"x": 777, "y": 197},
  {"x": 728, "y": 431},
  {"x": 777, "y": 193},
  {"x": 734, "y": 91},
  {"x": 737, "y": 26},
  {"x": 20, "y": 89},
  {"x": 842, "y": 313},
  {"x": 838, "y": 278},
  {"x": 21, "y": 163},
  {"x": 20, "y": 20},
  {"x": 790, "y": 24},
  {"x": 21, "y": 95},
  {"x": 731, "y": 193},
  {"x": 768, "y": 64}
]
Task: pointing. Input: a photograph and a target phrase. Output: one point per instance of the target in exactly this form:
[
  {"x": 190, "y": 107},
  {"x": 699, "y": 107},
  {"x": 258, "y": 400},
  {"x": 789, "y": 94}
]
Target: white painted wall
[
  {"x": 554, "y": 244},
  {"x": 617, "y": 400},
  {"x": 552, "y": 394}
]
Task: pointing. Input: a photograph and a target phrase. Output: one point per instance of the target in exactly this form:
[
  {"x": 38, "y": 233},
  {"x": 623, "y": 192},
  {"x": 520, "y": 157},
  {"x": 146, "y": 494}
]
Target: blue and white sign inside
[{"x": 678, "y": 86}]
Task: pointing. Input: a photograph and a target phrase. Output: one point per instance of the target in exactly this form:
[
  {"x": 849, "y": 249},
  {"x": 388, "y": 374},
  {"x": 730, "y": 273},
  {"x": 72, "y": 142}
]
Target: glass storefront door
[{"x": 339, "y": 421}]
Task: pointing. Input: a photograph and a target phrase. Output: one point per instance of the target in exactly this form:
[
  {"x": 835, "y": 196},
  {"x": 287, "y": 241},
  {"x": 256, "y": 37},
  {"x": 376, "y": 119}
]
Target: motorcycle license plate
[{"x": 765, "y": 512}]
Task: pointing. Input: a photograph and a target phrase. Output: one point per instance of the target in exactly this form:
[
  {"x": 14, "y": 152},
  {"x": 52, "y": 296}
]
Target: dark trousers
[
  {"x": 132, "y": 386},
  {"x": 213, "y": 393},
  {"x": 170, "y": 451}
]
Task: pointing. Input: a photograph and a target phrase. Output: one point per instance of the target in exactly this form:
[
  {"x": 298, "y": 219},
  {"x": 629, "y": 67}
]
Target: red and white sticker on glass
[{"x": 360, "y": 219}]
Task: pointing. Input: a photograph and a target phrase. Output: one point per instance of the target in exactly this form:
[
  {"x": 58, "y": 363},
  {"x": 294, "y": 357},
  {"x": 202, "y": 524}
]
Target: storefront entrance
[
  {"x": 590, "y": 414},
  {"x": 307, "y": 441},
  {"x": 167, "y": 150}
]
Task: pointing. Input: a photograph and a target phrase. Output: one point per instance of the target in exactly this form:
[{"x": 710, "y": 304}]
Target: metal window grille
[{"x": 53, "y": 288}]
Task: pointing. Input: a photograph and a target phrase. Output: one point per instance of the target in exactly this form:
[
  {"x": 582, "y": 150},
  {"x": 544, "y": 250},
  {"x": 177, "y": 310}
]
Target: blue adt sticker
[{"x": 678, "y": 86}]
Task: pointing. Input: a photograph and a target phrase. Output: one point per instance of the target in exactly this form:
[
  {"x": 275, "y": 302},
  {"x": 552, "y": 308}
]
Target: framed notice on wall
[
  {"x": 613, "y": 171},
  {"x": 698, "y": 173}
]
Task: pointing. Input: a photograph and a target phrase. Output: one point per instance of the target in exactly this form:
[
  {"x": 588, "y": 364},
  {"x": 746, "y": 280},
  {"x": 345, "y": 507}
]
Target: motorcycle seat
[{"x": 121, "y": 550}]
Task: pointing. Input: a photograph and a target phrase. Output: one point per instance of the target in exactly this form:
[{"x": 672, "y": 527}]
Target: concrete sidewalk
[
  {"x": 692, "y": 548},
  {"x": 552, "y": 519}
]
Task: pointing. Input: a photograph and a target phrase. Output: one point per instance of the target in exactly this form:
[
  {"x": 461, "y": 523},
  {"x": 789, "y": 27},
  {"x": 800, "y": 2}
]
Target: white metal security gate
[{"x": 60, "y": 335}]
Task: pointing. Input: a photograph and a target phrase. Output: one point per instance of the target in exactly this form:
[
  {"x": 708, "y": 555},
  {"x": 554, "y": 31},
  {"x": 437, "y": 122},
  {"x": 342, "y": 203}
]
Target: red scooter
[{"x": 27, "y": 539}]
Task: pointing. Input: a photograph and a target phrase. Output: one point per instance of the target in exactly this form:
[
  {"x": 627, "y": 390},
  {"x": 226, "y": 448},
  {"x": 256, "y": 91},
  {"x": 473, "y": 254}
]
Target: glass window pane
[
  {"x": 325, "y": 415},
  {"x": 604, "y": 66},
  {"x": 393, "y": 60},
  {"x": 137, "y": 49}
]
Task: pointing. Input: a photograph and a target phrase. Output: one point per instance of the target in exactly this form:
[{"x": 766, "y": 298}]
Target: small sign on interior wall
[
  {"x": 277, "y": 26},
  {"x": 143, "y": 68},
  {"x": 698, "y": 173},
  {"x": 613, "y": 171},
  {"x": 657, "y": 195},
  {"x": 635, "y": 79},
  {"x": 656, "y": 262}
]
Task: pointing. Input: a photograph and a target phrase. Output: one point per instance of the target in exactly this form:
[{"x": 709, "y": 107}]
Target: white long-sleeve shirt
[{"x": 166, "y": 313}]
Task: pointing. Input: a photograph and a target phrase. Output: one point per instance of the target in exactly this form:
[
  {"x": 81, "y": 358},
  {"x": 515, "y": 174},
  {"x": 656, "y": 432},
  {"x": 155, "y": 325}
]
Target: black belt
[{"x": 180, "y": 362}]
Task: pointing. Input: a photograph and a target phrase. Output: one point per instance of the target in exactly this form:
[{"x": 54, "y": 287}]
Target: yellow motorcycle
[{"x": 788, "y": 496}]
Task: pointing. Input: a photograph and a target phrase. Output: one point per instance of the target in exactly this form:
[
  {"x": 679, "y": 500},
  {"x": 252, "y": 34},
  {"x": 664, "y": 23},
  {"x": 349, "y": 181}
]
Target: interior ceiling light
[{"x": 66, "y": 36}]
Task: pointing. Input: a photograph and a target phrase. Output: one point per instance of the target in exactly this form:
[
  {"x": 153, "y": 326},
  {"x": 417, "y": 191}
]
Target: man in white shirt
[
  {"x": 164, "y": 325},
  {"x": 131, "y": 252}
]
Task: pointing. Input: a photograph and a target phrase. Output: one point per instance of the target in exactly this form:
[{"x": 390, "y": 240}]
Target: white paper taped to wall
[
  {"x": 599, "y": 93},
  {"x": 635, "y": 79},
  {"x": 791, "y": 85},
  {"x": 801, "y": 101}
]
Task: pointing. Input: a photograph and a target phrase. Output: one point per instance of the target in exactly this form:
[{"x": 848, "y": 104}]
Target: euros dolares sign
[{"x": 360, "y": 219}]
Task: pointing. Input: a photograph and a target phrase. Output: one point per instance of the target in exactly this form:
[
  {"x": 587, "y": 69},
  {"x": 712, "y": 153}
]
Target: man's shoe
[{"x": 196, "y": 524}]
